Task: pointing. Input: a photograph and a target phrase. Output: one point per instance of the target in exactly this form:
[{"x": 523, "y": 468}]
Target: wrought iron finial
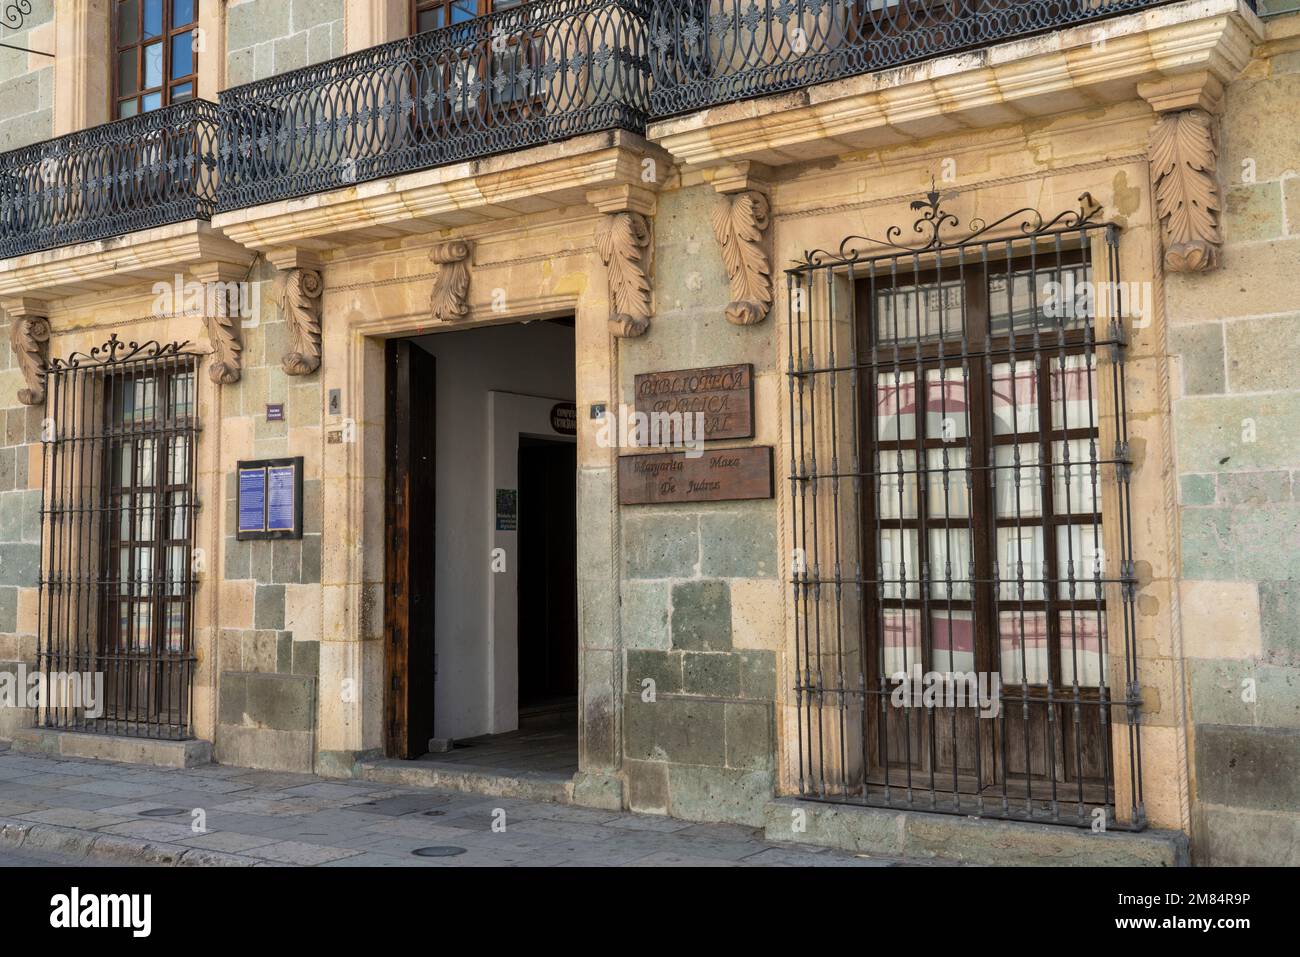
[
  {"x": 115, "y": 351},
  {"x": 14, "y": 12}
]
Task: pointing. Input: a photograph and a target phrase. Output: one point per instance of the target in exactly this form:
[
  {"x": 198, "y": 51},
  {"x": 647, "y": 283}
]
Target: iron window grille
[
  {"x": 117, "y": 515},
  {"x": 960, "y": 515}
]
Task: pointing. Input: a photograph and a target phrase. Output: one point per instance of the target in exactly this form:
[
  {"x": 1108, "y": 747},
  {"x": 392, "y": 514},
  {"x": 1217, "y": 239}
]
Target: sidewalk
[{"x": 100, "y": 812}]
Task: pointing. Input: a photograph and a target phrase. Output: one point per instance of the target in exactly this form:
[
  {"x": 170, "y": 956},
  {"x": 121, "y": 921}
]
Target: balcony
[
  {"x": 539, "y": 73},
  {"x": 137, "y": 173}
]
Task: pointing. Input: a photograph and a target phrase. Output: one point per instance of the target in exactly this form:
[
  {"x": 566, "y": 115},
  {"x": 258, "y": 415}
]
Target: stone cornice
[
  {"x": 1085, "y": 66},
  {"x": 144, "y": 256},
  {"x": 462, "y": 194}
]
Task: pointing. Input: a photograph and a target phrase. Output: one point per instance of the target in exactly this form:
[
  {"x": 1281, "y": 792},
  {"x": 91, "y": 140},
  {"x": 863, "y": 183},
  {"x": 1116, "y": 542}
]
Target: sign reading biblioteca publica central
[{"x": 722, "y": 395}]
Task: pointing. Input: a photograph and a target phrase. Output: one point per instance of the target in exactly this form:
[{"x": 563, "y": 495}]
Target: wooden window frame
[{"x": 166, "y": 38}]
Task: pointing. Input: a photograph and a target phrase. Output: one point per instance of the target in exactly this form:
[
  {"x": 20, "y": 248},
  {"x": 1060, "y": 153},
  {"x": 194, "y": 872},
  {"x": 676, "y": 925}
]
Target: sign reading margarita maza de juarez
[
  {"x": 722, "y": 395},
  {"x": 717, "y": 475}
]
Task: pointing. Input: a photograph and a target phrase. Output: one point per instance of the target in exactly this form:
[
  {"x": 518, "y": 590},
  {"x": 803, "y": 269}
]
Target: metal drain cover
[
  {"x": 163, "y": 812},
  {"x": 433, "y": 813},
  {"x": 445, "y": 850}
]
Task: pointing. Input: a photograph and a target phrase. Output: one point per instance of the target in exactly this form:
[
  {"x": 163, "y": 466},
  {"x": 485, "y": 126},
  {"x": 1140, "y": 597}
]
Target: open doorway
[{"x": 481, "y": 569}]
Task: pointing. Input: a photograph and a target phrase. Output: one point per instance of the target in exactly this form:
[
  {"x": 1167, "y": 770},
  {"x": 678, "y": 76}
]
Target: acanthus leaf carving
[
  {"x": 740, "y": 222},
  {"x": 299, "y": 296},
  {"x": 623, "y": 242},
  {"x": 449, "y": 300},
  {"x": 30, "y": 338},
  {"x": 1184, "y": 157},
  {"x": 225, "y": 334}
]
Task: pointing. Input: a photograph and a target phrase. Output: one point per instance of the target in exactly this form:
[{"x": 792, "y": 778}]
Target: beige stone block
[
  {"x": 302, "y": 611},
  {"x": 28, "y": 610},
  {"x": 237, "y": 604},
  {"x": 1162, "y": 781},
  {"x": 758, "y": 613},
  {"x": 1220, "y": 619}
]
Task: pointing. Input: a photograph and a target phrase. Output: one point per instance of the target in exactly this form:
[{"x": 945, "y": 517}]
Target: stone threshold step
[
  {"x": 113, "y": 747},
  {"x": 111, "y": 848},
  {"x": 553, "y": 786},
  {"x": 915, "y": 835}
]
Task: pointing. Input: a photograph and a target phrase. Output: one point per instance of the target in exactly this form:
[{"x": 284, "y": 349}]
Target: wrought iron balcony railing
[
  {"x": 544, "y": 71},
  {"x": 136, "y": 173},
  {"x": 707, "y": 52}
]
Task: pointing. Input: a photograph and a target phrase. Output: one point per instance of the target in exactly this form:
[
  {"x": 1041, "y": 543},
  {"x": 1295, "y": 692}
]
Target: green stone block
[
  {"x": 681, "y": 730},
  {"x": 719, "y": 794},
  {"x": 21, "y": 565},
  {"x": 239, "y": 557},
  {"x": 311, "y": 560},
  {"x": 701, "y": 618},
  {"x": 1252, "y": 212},
  {"x": 1207, "y": 545},
  {"x": 658, "y": 545},
  {"x": 1201, "y": 349},
  {"x": 645, "y": 614},
  {"x": 1237, "y": 433},
  {"x": 269, "y": 607},
  {"x": 716, "y": 675},
  {"x": 8, "y": 610},
  {"x": 1216, "y": 691},
  {"x": 750, "y": 736},
  {"x": 286, "y": 560},
  {"x": 758, "y": 675},
  {"x": 250, "y": 23},
  {"x": 312, "y": 516},
  {"x": 232, "y": 696},
  {"x": 1278, "y": 696},
  {"x": 306, "y": 658},
  {"x": 281, "y": 702},
  {"x": 1279, "y": 614},
  {"x": 1254, "y": 488},
  {"x": 1248, "y": 767},
  {"x": 664, "y": 668},
  {"x": 739, "y": 543},
  {"x": 1263, "y": 355},
  {"x": 1197, "y": 490}
]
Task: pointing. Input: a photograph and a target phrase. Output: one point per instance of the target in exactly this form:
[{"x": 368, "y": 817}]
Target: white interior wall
[{"x": 535, "y": 359}]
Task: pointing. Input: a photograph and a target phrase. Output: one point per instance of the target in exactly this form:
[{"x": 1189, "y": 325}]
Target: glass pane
[
  {"x": 1074, "y": 392},
  {"x": 462, "y": 10},
  {"x": 179, "y": 514},
  {"x": 127, "y": 108},
  {"x": 144, "y": 516},
  {"x": 914, "y": 312},
  {"x": 1060, "y": 297},
  {"x": 144, "y": 462},
  {"x": 121, "y": 465},
  {"x": 182, "y": 92},
  {"x": 178, "y": 460},
  {"x": 177, "y": 570},
  {"x": 125, "y": 572},
  {"x": 151, "y": 101},
  {"x": 953, "y": 642},
  {"x": 950, "y": 557},
  {"x": 175, "y": 626},
  {"x": 895, "y": 406},
  {"x": 897, "y": 484},
  {"x": 122, "y": 503},
  {"x": 128, "y": 22},
  {"x": 1017, "y": 481},
  {"x": 182, "y": 55},
  {"x": 126, "y": 69},
  {"x": 429, "y": 20},
  {"x": 901, "y": 640},
  {"x": 1023, "y": 640},
  {"x": 143, "y": 622},
  {"x": 1083, "y": 636},
  {"x": 898, "y": 562},
  {"x": 1076, "y": 476},
  {"x": 949, "y": 483},
  {"x": 1015, "y": 398},
  {"x": 1080, "y": 558},
  {"x": 180, "y": 399},
  {"x": 946, "y": 408},
  {"x": 1020, "y": 558},
  {"x": 153, "y": 17},
  {"x": 153, "y": 66},
  {"x": 182, "y": 12}
]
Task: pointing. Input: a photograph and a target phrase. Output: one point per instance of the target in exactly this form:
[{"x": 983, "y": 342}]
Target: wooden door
[{"x": 409, "y": 488}]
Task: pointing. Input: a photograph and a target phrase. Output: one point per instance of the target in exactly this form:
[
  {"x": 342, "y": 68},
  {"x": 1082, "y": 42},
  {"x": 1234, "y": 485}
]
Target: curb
[{"x": 112, "y": 848}]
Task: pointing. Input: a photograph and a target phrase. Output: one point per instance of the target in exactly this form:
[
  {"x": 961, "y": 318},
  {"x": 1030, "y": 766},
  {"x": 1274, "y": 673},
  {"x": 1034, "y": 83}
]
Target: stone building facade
[{"x": 625, "y": 211}]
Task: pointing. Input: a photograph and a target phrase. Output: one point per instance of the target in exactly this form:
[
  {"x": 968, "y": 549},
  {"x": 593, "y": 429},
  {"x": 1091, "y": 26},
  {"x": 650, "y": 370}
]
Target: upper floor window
[
  {"x": 434, "y": 14},
  {"x": 156, "y": 61}
]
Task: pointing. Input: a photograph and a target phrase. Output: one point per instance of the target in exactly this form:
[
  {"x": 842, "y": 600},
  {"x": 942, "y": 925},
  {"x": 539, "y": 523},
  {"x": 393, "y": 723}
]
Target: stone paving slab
[{"x": 88, "y": 811}]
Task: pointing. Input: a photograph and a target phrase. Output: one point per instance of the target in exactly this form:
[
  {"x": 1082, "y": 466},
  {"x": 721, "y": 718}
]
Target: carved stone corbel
[
  {"x": 1184, "y": 163},
  {"x": 298, "y": 291},
  {"x": 224, "y": 322},
  {"x": 740, "y": 222},
  {"x": 623, "y": 240},
  {"x": 449, "y": 300},
  {"x": 29, "y": 335}
]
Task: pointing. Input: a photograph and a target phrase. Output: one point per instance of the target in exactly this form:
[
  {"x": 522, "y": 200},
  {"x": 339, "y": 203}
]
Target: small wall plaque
[
  {"x": 275, "y": 413},
  {"x": 269, "y": 503},
  {"x": 564, "y": 418},
  {"x": 716, "y": 476},
  {"x": 507, "y": 510},
  {"x": 723, "y": 395}
]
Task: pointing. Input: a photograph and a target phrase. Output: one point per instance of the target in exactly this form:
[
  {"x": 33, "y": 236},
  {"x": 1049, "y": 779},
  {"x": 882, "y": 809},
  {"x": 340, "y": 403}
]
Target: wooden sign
[
  {"x": 723, "y": 395},
  {"x": 716, "y": 476}
]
